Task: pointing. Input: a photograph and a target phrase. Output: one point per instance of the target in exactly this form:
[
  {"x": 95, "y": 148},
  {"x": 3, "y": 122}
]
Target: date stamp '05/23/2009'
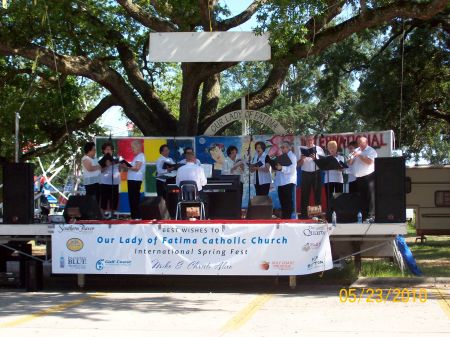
[{"x": 379, "y": 295}]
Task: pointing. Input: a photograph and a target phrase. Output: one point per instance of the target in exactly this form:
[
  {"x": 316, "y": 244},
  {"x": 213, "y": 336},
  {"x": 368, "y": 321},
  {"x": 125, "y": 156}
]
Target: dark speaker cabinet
[
  {"x": 18, "y": 193},
  {"x": 390, "y": 193}
]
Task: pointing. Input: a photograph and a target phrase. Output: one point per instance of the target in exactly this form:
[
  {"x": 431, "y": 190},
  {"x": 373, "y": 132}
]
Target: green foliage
[
  {"x": 39, "y": 101},
  {"x": 320, "y": 94},
  {"x": 286, "y": 20},
  {"x": 426, "y": 84}
]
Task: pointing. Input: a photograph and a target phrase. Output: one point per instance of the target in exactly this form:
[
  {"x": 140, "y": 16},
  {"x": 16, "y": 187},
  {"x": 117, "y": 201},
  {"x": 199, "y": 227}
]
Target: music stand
[{"x": 328, "y": 164}]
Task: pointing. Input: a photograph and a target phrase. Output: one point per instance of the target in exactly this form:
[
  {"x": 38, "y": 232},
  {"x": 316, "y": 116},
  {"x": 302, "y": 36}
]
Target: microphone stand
[{"x": 112, "y": 179}]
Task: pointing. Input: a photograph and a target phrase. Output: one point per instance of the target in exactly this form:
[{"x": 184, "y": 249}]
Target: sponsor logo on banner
[
  {"x": 265, "y": 265},
  {"x": 74, "y": 244},
  {"x": 282, "y": 265},
  {"x": 76, "y": 262},
  {"x": 311, "y": 245},
  {"x": 311, "y": 231},
  {"x": 315, "y": 263},
  {"x": 102, "y": 263},
  {"x": 75, "y": 228}
]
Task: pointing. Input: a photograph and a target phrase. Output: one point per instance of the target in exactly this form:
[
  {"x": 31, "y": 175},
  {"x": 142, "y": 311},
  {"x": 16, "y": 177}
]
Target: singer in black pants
[
  {"x": 310, "y": 180},
  {"x": 285, "y": 194},
  {"x": 134, "y": 196},
  {"x": 366, "y": 188}
]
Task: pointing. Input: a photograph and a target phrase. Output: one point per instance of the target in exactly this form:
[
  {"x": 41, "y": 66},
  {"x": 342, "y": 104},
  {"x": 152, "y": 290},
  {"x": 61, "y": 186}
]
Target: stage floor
[{"x": 341, "y": 229}]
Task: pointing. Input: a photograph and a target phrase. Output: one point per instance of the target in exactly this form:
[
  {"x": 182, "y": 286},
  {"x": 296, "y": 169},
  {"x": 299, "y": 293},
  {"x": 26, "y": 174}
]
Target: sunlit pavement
[{"x": 305, "y": 311}]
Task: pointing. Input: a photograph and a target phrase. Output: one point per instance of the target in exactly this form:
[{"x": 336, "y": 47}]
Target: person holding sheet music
[
  {"x": 286, "y": 179},
  {"x": 91, "y": 171},
  {"x": 334, "y": 180},
  {"x": 311, "y": 178},
  {"x": 136, "y": 171},
  {"x": 109, "y": 179},
  {"x": 234, "y": 165},
  {"x": 260, "y": 166},
  {"x": 164, "y": 165}
]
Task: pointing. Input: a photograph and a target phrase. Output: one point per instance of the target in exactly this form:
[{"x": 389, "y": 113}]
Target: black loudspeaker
[
  {"x": 18, "y": 193},
  {"x": 85, "y": 205},
  {"x": 346, "y": 206},
  {"x": 390, "y": 192},
  {"x": 260, "y": 207},
  {"x": 154, "y": 208}
]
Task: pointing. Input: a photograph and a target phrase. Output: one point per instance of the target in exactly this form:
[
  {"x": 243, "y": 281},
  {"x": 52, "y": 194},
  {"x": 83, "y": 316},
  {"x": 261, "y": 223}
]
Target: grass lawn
[{"x": 432, "y": 257}]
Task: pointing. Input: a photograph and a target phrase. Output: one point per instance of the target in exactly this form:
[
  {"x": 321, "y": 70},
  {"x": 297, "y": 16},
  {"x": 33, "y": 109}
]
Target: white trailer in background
[{"x": 429, "y": 196}]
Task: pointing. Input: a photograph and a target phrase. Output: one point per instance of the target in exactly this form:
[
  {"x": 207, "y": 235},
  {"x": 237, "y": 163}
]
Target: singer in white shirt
[
  {"x": 161, "y": 171},
  {"x": 91, "y": 171},
  {"x": 311, "y": 177},
  {"x": 285, "y": 180},
  {"x": 261, "y": 169},
  {"x": 334, "y": 180},
  {"x": 363, "y": 164}
]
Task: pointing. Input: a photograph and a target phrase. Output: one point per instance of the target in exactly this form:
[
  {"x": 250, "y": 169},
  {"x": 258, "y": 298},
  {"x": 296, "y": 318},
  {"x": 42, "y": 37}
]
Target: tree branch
[
  {"x": 60, "y": 135},
  {"x": 368, "y": 19},
  {"x": 134, "y": 74},
  {"x": 145, "y": 18},
  {"x": 435, "y": 113},
  {"x": 242, "y": 17},
  {"x": 257, "y": 99},
  {"x": 205, "y": 9}
]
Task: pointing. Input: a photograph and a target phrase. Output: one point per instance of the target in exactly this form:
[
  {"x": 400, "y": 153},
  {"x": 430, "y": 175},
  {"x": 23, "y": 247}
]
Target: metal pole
[
  {"x": 244, "y": 121},
  {"x": 16, "y": 157}
]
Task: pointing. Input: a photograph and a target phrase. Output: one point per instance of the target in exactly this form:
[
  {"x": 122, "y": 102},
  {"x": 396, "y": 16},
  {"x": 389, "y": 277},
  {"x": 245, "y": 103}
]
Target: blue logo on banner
[{"x": 100, "y": 264}]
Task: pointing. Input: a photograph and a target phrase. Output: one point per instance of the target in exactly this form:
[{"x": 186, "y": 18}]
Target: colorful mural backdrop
[{"x": 212, "y": 150}]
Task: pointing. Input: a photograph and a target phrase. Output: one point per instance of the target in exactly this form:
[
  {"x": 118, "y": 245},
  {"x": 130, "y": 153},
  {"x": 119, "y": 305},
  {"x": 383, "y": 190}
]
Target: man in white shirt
[
  {"x": 311, "y": 178},
  {"x": 161, "y": 171},
  {"x": 363, "y": 165},
  {"x": 189, "y": 150},
  {"x": 191, "y": 171},
  {"x": 285, "y": 180}
]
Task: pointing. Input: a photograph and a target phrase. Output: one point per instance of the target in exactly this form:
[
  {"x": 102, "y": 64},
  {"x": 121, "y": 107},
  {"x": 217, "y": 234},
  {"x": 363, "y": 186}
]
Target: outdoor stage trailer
[{"x": 363, "y": 240}]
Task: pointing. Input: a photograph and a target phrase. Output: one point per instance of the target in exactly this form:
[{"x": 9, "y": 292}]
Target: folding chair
[{"x": 189, "y": 196}]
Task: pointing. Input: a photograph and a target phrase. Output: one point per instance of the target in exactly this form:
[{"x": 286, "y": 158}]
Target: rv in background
[{"x": 429, "y": 196}]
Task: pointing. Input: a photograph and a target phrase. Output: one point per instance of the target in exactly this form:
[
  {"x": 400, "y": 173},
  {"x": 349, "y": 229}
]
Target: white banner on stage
[{"x": 192, "y": 249}]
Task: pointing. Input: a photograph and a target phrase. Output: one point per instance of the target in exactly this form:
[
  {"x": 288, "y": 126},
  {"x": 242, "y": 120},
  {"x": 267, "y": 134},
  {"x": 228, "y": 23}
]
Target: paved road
[{"x": 307, "y": 311}]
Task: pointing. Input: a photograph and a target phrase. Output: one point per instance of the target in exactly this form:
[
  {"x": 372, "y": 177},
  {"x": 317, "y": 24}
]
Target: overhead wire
[{"x": 401, "y": 82}]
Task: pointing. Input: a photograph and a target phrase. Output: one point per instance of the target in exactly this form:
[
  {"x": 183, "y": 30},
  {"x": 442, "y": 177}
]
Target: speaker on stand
[
  {"x": 82, "y": 207},
  {"x": 154, "y": 208},
  {"x": 260, "y": 207},
  {"x": 18, "y": 193},
  {"x": 390, "y": 192}
]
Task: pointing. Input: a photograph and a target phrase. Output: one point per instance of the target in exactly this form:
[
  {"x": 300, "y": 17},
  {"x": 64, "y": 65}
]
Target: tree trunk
[
  {"x": 210, "y": 97},
  {"x": 188, "y": 121}
]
